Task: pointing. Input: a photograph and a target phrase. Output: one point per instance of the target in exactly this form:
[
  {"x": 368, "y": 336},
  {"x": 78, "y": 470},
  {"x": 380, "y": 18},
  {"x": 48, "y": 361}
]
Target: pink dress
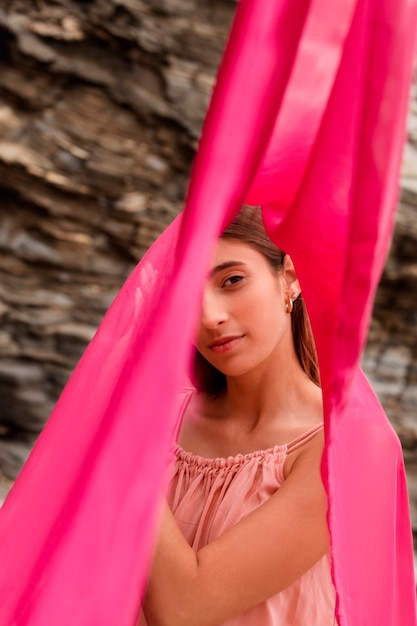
[{"x": 208, "y": 496}]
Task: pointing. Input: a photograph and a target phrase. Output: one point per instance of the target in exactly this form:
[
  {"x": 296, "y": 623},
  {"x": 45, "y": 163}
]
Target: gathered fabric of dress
[{"x": 210, "y": 495}]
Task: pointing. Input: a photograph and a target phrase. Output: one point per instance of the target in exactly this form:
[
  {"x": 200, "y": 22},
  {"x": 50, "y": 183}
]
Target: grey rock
[{"x": 13, "y": 454}]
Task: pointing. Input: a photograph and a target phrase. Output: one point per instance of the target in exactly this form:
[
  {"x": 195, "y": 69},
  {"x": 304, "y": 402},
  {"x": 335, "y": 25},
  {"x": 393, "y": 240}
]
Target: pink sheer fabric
[{"x": 307, "y": 119}]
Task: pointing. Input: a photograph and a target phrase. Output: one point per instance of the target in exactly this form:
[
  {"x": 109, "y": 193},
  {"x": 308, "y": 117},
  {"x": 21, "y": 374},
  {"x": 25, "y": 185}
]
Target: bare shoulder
[
  {"x": 196, "y": 430},
  {"x": 309, "y": 453}
]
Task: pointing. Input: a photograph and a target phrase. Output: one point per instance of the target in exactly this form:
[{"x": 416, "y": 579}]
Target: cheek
[
  {"x": 260, "y": 312},
  {"x": 265, "y": 310},
  {"x": 270, "y": 325}
]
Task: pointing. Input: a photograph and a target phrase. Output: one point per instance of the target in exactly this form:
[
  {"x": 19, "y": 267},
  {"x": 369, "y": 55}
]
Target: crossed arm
[{"x": 257, "y": 558}]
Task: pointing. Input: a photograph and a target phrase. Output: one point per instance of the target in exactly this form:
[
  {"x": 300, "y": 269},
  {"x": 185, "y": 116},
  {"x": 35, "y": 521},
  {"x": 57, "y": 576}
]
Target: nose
[{"x": 213, "y": 310}]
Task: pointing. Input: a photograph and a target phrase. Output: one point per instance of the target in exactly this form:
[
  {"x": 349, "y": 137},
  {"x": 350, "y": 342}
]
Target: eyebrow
[{"x": 225, "y": 266}]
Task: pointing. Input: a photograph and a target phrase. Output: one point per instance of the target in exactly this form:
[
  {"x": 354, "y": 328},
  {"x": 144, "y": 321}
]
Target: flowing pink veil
[{"x": 307, "y": 119}]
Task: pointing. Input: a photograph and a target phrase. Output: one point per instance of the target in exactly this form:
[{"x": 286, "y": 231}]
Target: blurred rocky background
[{"x": 101, "y": 105}]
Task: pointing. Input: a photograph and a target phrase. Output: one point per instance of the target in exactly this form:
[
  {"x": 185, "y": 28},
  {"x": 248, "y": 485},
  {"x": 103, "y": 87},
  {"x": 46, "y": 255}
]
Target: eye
[{"x": 231, "y": 281}]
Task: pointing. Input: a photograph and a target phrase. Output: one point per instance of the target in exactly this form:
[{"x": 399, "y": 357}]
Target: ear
[{"x": 292, "y": 286}]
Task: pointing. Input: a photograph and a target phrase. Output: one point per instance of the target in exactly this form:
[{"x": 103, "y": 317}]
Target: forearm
[{"x": 174, "y": 568}]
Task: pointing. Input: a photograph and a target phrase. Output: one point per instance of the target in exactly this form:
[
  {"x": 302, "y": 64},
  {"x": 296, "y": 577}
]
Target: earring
[{"x": 289, "y": 302}]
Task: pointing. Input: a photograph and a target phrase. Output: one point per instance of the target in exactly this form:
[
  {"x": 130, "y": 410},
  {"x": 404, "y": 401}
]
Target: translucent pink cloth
[{"x": 307, "y": 119}]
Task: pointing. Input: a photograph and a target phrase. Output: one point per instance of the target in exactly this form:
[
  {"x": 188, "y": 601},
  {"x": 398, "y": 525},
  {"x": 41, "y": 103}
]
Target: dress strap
[
  {"x": 302, "y": 439},
  {"x": 185, "y": 396}
]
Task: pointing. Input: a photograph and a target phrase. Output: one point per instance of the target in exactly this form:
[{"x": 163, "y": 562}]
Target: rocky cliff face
[{"x": 101, "y": 105}]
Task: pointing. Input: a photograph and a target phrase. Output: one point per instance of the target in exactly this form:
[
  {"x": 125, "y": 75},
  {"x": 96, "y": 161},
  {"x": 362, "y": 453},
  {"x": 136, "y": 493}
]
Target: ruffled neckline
[
  {"x": 276, "y": 451},
  {"x": 238, "y": 459}
]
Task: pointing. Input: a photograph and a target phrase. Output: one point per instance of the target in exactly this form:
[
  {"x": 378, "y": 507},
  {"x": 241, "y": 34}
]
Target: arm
[{"x": 264, "y": 553}]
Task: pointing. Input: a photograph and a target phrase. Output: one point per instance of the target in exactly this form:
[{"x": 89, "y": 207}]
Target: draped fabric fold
[{"x": 307, "y": 120}]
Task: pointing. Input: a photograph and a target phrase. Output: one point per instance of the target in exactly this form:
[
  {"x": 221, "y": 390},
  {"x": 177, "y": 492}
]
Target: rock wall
[{"x": 101, "y": 105}]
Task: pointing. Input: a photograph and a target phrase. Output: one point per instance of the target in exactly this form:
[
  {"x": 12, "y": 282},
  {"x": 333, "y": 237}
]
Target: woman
[{"x": 247, "y": 540}]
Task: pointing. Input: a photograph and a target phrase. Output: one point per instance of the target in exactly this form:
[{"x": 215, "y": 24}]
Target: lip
[{"x": 225, "y": 343}]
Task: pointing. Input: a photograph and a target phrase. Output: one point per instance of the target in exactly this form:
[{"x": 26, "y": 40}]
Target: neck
[{"x": 279, "y": 389}]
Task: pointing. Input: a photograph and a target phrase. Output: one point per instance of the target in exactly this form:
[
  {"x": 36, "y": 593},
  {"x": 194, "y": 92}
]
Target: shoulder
[
  {"x": 308, "y": 451},
  {"x": 184, "y": 398}
]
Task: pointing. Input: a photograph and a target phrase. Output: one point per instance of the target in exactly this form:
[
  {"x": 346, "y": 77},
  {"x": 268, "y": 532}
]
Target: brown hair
[{"x": 249, "y": 228}]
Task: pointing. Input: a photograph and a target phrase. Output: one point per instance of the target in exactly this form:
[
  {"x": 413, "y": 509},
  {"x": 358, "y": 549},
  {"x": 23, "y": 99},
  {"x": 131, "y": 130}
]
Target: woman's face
[{"x": 244, "y": 323}]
